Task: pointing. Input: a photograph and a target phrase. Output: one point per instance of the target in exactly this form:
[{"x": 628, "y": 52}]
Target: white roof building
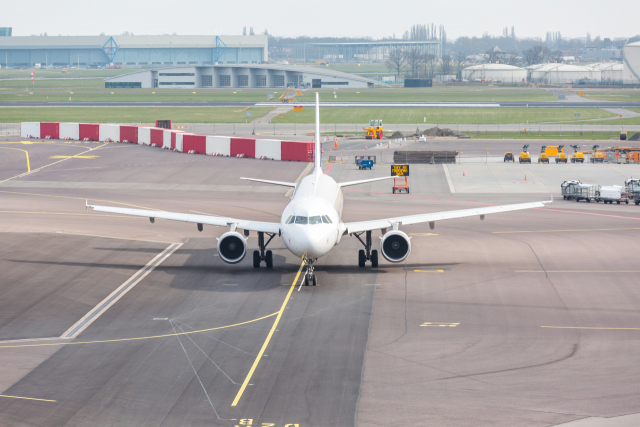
[{"x": 495, "y": 72}]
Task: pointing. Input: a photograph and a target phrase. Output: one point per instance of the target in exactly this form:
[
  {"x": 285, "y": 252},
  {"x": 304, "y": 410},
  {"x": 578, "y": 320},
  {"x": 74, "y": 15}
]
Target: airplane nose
[{"x": 316, "y": 244}]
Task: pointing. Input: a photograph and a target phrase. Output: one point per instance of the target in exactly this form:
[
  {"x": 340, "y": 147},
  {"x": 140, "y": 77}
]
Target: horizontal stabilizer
[
  {"x": 363, "y": 181},
  {"x": 266, "y": 181}
]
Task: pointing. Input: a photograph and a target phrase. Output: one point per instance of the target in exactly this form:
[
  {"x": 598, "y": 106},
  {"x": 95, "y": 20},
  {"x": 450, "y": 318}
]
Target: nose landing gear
[
  {"x": 262, "y": 255},
  {"x": 367, "y": 254},
  {"x": 309, "y": 276}
]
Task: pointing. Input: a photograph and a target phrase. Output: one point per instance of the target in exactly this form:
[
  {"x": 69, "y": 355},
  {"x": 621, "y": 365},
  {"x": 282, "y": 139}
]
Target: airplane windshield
[
  {"x": 315, "y": 220},
  {"x": 301, "y": 220}
]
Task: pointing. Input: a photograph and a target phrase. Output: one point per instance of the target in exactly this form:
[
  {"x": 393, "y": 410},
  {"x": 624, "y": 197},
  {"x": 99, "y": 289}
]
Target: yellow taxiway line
[
  {"x": 266, "y": 342},
  {"x": 143, "y": 338},
  {"x": 565, "y": 231},
  {"x": 25, "y": 152},
  {"x": 27, "y": 398},
  {"x": 81, "y": 198}
]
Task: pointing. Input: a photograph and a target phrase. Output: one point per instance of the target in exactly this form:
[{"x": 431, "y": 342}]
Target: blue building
[{"x": 131, "y": 51}]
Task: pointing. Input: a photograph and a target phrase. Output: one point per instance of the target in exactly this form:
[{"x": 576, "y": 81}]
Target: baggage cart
[
  {"x": 578, "y": 191},
  {"x": 612, "y": 193}
]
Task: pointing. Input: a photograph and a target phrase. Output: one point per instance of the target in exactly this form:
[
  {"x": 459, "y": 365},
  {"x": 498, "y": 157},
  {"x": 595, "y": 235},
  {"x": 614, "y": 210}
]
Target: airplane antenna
[{"x": 318, "y": 150}]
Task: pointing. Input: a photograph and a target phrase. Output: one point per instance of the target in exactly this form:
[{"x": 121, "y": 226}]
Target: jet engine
[
  {"x": 395, "y": 246},
  {"x": 232, "y": 247}
]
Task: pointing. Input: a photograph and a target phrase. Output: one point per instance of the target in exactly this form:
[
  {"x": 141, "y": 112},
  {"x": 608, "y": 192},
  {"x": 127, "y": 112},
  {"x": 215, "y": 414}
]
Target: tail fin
[{"x": 318, "y": 149}]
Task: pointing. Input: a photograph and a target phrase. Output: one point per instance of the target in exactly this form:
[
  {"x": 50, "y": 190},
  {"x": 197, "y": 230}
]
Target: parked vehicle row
[{"x": 576, "y": 190}]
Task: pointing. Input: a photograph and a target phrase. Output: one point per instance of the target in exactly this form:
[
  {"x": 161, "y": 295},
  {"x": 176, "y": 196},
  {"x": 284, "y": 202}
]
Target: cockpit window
[
  {"x": 326, "y": 219},
  {"x": 315, "y": 220},
  {"x": 302, "y": 220},
  {"x": 290, "y": 219}
]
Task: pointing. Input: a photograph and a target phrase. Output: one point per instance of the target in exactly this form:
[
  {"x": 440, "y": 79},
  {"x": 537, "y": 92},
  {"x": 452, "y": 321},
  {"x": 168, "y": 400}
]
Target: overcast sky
[{"x": 352, "y": 18}]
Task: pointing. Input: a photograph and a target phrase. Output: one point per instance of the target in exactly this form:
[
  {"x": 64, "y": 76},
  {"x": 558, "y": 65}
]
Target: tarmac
[{"x": 527, "y": 318}]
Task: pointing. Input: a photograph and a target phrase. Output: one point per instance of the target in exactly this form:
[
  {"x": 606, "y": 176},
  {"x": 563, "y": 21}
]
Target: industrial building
[
  {"x": 131, "y": 51},
  {"x": 495, "y": 72},
  {"x": 631, "y": 63},
  {"x": 564, "y": 74},
  {"x": 239, "y": 76},
  {"x": 610, "y": 71}
]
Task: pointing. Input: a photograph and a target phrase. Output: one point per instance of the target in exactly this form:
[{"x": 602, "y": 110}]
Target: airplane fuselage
[{"x": 311, "y": 223}]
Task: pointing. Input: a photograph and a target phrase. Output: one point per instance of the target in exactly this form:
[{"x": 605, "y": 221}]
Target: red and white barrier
[
  {"x": 220, "y": 145},
  {"x": 144, "y": 135},
  {"x": 70, "y": 131},
  {"x": 30, "y": 129},
  {"x": 268, "y": 149},
  {"x": 173, "y": 139},
  {"x": 110, "y": 132}
]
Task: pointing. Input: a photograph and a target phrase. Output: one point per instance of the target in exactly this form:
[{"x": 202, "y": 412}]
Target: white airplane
[{"x": 311, "y": 223}]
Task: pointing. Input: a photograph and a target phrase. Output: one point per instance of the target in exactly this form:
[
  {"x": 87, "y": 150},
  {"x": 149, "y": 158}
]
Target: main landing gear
[
  {"x": 261, "y": 255},
  {"x": 367, "y": 254},
  {"x": 309, "y": 276}
]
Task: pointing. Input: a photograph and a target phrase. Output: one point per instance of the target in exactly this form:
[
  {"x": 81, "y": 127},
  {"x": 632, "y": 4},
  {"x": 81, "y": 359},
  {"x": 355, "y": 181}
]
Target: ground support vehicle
[
  {"x": 508, "y": 157},
  {"x": 630, "y": 186},
  {"x": 596, "y": 156},
  {"x": 635, "y": 195},
  {"x": 544, "y": 158},
  {"x": 562, "y": 156},
  {"x": 577, "y": 156},
  {"x": 374, "y": 131},
  {"x": 579, "y": 191},
  {"x": 524, "y": 155},
  {"x": 364, "y": 164},
  {"x": 612, "y": 193}
]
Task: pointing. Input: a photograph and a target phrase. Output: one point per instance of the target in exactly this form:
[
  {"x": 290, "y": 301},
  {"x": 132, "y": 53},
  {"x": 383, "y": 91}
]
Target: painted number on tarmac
[
  {"x": 440, "y": 324},
  {"x": 249, "y": 422}
]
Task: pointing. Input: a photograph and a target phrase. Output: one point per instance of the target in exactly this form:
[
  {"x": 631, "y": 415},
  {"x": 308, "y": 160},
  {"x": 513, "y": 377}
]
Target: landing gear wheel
[
  {"x": 618, "y": 202},
  {"x": 269, "y": 259},
  {"x": 306, "y": 280},
  {"x": 374, "y": 258},
  {"x": 314, "y": 280},
  {"x": 407, "y": 190},
  {"x": 394, "y": 190},
  {"x": 256, "y": 259},
  {"x": 361, "y": 258}
]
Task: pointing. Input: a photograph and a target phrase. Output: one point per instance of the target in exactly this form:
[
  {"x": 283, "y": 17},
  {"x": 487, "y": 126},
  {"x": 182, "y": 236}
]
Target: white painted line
[
  {"x": 383, "y": 104},
  {"x": 35, "y": 339},
  {"x": 449, "y": 181},
  {"x": 304, "y": 173},
  {"x": 104, "y": 305}
]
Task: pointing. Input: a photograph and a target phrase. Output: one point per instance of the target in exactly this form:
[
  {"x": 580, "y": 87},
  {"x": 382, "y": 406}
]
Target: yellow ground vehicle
[
  {"x": 543, "y": 155},
  {"x": 596, "y": 156},
  {"x": 524, "y": 155},
  {"x": 551, "y": 150},
  {"x": 562, "y": 156},
  {"x": 374, "y": 131},
  {"x": 288, "y": 97},
  {"x": 577, "y": 156},
  {"x": 322, "y": 63},
  {"x": 508, "y": 157}
]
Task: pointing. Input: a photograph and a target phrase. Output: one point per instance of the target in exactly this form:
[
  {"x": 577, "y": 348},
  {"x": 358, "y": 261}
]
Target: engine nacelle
[
  {"x": 395, "y": 246},
  {"x": 232, "y": 247}
]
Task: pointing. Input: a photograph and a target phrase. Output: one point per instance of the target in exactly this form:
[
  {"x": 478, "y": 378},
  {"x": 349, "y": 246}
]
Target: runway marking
[
  {"x": 51, "y": 164},
  {"x": 590, "y": 327},
  {"x": 440, "y": 324},
  {"x": 266, "y": 342},
  {"x": 428, "y": 271},
  {"x": 79, "y": 198},
  {"x": 27, "y": 398},
  {"x": 144, "y": 338},
  {"x": 577, "y": 271},
  {"x": 25, "y": 152},
  {"x": 70, "y": 157},
  {"x": 452, "y": 188},
  {"x": 565, "y": 231},
  {"x": 104, "y": 305}
]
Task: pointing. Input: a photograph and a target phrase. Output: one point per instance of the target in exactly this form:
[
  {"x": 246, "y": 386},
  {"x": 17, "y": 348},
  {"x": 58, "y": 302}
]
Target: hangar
[
  {"x": 131, "y": 51},
  {"x": 239, "y": 76}
]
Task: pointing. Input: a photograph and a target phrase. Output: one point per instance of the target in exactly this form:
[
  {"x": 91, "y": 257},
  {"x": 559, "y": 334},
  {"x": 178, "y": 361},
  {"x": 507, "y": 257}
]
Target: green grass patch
[
  {"x": 441, "y": 115},
  {"x": 129, "y": 114},
  {"x": 548, "y": 135},
  {"x": 52, "y": 84},
  {"x": 623, "y": 97}
]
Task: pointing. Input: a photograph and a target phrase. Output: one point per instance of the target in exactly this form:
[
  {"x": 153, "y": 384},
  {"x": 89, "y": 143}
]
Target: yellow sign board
[
  {"x": 399, "y": 170},
  {"x": 297, "y": 108}
]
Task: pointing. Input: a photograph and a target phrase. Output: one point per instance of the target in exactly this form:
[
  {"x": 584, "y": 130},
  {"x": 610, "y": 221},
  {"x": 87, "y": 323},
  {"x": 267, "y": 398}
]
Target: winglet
[{"x": 86, "y": 204}]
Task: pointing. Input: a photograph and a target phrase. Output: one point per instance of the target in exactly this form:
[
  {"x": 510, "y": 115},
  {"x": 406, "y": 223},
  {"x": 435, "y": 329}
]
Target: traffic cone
[
  {"x": 463, "y": 173},
  {"x": 525, "y": 177}
]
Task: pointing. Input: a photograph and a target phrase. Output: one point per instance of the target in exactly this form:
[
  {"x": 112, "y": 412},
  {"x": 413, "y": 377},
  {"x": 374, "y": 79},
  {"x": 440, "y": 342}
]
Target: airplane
[{"x": 311, "y": 225}]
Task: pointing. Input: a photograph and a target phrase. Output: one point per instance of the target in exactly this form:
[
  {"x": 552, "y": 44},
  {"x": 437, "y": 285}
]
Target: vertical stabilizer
[{"x": 318, "y": 148}]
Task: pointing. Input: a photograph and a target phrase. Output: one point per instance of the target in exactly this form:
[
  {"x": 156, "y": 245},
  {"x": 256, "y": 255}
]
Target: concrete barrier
[
  {"x": 268, "y": 149},
  {"x": 70, "y": 131},
  {"x": 30, "y": 129}
]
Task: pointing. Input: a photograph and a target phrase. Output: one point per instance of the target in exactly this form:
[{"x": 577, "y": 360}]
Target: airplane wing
[
  {"x": 363, "y": 181},
  {"x": 266, "y": 227},
  {"x": 357, "y": 227}
]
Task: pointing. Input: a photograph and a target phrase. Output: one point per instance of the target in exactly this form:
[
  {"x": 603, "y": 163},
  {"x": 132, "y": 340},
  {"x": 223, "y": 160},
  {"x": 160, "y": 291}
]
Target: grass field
[
  {"x": 622, "y": 97},
  {"x": 258, "y": 96},
  {"x": 441, "y": 115},
  {"x": 549, "y": 135},
  {"x": 129, "y": 114}
]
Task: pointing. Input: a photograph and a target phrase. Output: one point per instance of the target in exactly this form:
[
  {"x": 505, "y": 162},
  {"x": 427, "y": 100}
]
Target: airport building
[
  {"x": 495, "y": 72},
  {"x": 239, "y": 76},
  {"x": 131, "y": 51},
  {"x": 631, "y": 63}
]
